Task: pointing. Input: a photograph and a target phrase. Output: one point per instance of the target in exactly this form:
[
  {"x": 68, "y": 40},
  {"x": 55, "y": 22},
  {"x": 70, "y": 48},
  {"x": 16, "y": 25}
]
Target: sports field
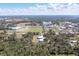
[
  {"x": 29, "y": 29},
  {"x": 35, "y": 29},
  {"x": 25, "y": 29}
]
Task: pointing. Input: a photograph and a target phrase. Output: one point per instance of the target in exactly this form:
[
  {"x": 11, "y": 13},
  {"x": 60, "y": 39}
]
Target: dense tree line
[{"x": 53, "y": 45}]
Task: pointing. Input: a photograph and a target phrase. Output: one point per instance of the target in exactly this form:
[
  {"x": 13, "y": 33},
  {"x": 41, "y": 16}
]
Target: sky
[{"x": 39, "y": 8}]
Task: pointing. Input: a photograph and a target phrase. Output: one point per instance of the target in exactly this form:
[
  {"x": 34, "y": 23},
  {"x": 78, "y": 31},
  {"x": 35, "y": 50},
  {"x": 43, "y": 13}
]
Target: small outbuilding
[{"x": 40, "y": 38}]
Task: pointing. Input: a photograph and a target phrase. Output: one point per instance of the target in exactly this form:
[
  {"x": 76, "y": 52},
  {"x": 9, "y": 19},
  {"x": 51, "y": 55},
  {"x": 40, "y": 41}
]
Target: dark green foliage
[{"x": 53, "y": 45}]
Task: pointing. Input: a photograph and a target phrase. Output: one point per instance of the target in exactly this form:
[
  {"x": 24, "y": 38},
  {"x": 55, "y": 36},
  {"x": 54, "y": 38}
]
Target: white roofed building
[{"x": 40, "y": 38}]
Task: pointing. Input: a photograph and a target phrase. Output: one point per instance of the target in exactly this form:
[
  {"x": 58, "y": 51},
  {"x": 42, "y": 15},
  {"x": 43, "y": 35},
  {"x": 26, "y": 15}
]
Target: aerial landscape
[{"x": 39, "y": 29}]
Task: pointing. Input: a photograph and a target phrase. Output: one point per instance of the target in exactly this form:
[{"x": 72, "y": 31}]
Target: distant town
[{"x": 35, "y": 36}]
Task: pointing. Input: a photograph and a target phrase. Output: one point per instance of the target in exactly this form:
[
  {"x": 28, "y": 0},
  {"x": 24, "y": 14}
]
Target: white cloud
[{"x": 53, "y": 8}]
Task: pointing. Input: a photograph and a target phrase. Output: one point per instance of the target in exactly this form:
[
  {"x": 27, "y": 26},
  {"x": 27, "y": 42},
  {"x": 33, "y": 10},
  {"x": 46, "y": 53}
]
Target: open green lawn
[
  {"x": 25, "y": 30},
  {"x": 8, "y": 31},
  {"x": 29, "y": 29},
  {"x": 35, "y": 29}
]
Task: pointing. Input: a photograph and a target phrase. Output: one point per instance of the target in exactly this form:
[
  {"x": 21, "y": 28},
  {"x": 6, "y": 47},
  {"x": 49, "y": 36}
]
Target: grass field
[
  {"x": 8, "y": 31},
  {"x": 35, "y": 29},
  {"x": 25, "y": 30},
  {"x": 29, "y": 29}
]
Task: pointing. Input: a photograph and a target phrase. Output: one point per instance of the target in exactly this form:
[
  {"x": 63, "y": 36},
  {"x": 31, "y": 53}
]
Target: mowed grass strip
[{"x": 35, "y": 29}]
